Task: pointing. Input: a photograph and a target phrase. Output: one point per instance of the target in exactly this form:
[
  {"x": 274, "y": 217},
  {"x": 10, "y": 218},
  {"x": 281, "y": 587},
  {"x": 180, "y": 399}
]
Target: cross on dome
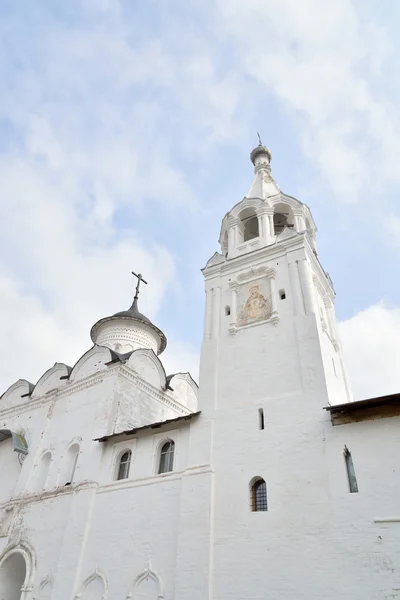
[
  {"x": 140, "y": 279},
  {"x": 129, "y": 329}
]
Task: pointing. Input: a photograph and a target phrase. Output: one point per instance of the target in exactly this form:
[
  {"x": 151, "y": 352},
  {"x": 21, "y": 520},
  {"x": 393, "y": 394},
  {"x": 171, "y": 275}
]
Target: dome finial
[
  {"x": 261, "y": 155},
  {"x": 134, "y": 306}
]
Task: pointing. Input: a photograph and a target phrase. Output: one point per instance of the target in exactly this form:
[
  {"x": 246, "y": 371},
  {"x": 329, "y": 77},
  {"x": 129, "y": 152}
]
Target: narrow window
[
  {"x": 351, "y": 475},
  {"x": 282, "y": 294},
  {"x": 227, "y": 310},
  {"x": 259, "y": 495},
  {"x": 167, "y": 457},
  {"x": 124, "y": 465},
  {"x": 261, "y": 418},
  {"x": 70, "y": 463}
]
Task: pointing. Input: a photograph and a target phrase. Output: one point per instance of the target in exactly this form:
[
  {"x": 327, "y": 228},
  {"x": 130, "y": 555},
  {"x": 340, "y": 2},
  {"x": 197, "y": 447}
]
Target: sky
[{"x": 125, "y": 133}]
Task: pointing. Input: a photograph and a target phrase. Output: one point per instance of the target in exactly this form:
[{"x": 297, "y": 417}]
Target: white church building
[{"x": 267, "y": 482}]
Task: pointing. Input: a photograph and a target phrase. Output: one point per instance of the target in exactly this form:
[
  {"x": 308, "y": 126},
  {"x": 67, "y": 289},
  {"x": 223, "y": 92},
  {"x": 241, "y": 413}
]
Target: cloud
[
  {"x": 371, "y": 342},
  {"x": 326, "y": 65}
]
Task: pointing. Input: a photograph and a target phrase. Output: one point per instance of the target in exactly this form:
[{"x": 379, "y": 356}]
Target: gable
[
  {"x": 148, "y": 366},
  {"x": 93, "y": 361}
]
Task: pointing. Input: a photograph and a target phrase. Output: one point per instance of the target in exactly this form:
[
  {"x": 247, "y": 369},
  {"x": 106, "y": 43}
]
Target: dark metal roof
[
  {"x": 4, "y": 434},
  {"x": 131, "y": 313},
  {"x": 362, "y": 404},
  {"x": 105, "y": 438},
  {"x": 260, "y": 149},
  {"x": 364, "y": 410}
]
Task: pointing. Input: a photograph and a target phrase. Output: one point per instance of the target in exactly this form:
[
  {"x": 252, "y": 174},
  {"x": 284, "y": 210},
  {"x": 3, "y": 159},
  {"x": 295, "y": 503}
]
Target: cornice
[
  {"x": 271, "y": 252},
  {"x": 154, "y": 479},
  {"x": 31, "y": 498},
  {"x": 90, "y": 381}
]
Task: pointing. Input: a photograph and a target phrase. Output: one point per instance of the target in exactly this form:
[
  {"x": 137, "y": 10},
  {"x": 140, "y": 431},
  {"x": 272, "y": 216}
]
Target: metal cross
[{"x": 140, "y": 279}]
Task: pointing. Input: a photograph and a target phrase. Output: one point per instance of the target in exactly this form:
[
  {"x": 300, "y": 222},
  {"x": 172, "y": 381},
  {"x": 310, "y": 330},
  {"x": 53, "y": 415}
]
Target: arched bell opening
[
  {"x": 249, "y": 222},
  {"x": 283, "y": 217}
]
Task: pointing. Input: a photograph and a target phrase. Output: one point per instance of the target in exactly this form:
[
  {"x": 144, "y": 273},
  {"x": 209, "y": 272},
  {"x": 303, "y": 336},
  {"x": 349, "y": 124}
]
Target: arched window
[
  {"x": 249, "y": 221},
  {"x": 70, "y": 463},
  {"x": 124, "y": 465},
  {"x": 167, "y": 457},
  {"x": 259, "y": 495},
  {"x": 43, "y": 469},
  {"x": 283, "y": 217}
]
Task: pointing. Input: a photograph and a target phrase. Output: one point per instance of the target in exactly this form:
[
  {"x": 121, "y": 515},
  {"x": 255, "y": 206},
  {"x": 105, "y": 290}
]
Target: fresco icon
[{"x": 254, "y": 304}]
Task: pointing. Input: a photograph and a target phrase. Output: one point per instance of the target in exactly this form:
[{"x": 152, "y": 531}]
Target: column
[
  {"x": 271, "y": 225},
  {"x": 298, "y": 305},
  {"x": 234, "y": 304},
  {"x": 208, "y": 314},
  {"x": 216, "y": 312},
  {"x": 307, "y": 286},
  {"x": 231, "y": 239},
  {"x": 273, "y": 294}
]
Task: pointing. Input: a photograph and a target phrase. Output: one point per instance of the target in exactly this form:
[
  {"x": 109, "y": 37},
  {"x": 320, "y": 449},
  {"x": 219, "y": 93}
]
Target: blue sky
[{"x": 125, "y": 133}]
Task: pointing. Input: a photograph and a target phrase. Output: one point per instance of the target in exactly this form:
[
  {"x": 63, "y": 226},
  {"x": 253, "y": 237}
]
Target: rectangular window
[
  {"x": 261, "y": 418},
  {"x": 351, "y": 475}
]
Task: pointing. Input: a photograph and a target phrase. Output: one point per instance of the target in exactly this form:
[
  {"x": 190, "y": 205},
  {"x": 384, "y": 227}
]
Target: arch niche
[{"x": 16, "y": 575}]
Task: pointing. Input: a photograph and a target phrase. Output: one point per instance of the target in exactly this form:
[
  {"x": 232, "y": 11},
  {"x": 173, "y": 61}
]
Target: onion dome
[
  {"x": 129, "y": 330},
  {"x": 261, "y": 154}
]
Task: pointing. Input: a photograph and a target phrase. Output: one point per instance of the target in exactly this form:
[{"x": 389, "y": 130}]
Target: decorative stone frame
[
  {"x": 147, "y": 572},
  {"x": 45, "y": 581},
  {"x": 95, "y": 575},
  {"x": 29, "y": 557},
  {"x": 247, "y": 277}
]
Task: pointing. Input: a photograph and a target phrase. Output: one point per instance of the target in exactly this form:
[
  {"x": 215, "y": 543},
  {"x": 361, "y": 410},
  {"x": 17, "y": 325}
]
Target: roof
[
  {"x": 156, "y": 425},
  {"x": 362, "y": 410},
  {"x": 132, "y": 314}
]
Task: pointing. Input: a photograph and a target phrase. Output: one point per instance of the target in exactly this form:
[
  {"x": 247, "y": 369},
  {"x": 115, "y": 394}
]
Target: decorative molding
[
  {"x": 95, "y": 575},
  {"x": 6, "y": 515},
  {"x": 273, "y": 320},
  {"x": 286, "y": 234},
  {"x": 154, "y": 479},
  {"x": 147, "y": 572},
  {"x": 216, "y": 259},
  {"x": 25, "y": 498},
  {"x": 27, "y": 552},
  {"x": 256, "y": 273},
  {"x": 45, "y": 581}
]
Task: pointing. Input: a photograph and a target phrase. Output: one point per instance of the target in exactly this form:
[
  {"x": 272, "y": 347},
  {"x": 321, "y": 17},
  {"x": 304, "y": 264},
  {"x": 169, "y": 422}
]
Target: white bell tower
[
  {"x": 270, "y": 362},
  {"x": 270, "y": 329}
]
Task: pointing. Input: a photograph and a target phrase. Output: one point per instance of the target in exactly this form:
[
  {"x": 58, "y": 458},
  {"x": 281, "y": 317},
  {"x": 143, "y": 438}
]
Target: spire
[
  {"x": 263, "y": 184},
  {"x": 133, "y": 331}
]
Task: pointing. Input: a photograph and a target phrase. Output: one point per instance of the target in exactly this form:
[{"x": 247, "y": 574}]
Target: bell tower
[
  {"x": 270, "y": 362},
  {"x": 270, "y": 330}
]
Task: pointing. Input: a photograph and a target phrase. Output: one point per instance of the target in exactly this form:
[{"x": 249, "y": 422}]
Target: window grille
[
  {"x": 124, "y": 465},
  {"x": 259, "y": 496},
  {"x": 167, "y": 457}
]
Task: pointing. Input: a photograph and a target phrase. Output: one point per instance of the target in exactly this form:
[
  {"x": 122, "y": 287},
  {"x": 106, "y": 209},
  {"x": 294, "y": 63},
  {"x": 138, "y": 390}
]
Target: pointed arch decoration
[
  {"x": 46, "y": 581},
  {"x": 28, "y": 554},
  {"x": 97, "y": 574},
  {"x": 152, "y": 574}
]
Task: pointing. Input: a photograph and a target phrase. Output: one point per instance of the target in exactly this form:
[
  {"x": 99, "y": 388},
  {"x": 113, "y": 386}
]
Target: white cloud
[
  {"x": 325, "y": 63},
  {"x": 371, "y": 342}
]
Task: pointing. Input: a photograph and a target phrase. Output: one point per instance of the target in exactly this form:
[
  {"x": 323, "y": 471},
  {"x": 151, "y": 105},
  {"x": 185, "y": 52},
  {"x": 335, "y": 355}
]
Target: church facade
[{"x": 268, "y": 481}]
